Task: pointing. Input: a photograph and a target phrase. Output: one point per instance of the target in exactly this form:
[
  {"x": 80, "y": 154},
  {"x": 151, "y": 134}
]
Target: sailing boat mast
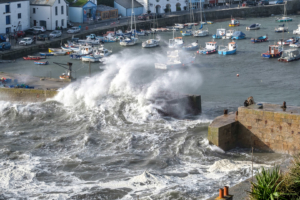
[
  {"x": 131, "y": 13},
  {"x": 201, "y": 11}
]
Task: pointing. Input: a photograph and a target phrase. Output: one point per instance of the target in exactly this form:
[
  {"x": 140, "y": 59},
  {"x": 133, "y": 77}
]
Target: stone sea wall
[{"x": 26, "y": 95}]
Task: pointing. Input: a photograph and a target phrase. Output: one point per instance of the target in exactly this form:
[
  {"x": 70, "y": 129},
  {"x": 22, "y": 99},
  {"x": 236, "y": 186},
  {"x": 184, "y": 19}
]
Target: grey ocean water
[{"x": 101, "y": 139}]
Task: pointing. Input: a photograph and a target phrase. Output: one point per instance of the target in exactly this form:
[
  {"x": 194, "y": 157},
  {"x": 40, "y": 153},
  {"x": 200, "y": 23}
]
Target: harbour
[{"x": 106, "y": 134}]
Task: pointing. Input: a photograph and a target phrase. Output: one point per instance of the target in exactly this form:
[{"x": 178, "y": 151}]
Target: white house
[
  {"x": 15, "y": 15},
  {"x": 161, "y": 6},
  {"x": 49, "y": 13},
  {"x": 125, "y": 7}
]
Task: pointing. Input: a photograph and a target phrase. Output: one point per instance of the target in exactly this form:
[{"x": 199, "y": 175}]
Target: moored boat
[
  {"x": 151, "y": 43},
  {"x": 128, "y": 41},
  {"x": 285, "y": 18},
  {"x": 281, "y": 28},
  {"x": 253, "y": 26},
  {"x": 60, "y": 53},
  {"x": 275, "y": 51},
  {"x": 228, "y": 34},
  {"x": 297, "y": 31},
  {"x": 260, "y": 39},
  {"x": 219, "y": 33},
  {"x": 234, "y": 22},
  {"x": 289, "y": 55},
  {"x": 287, "y": 42},
  {"x": 228, "y": 50},
  {"x": 41, "y": 63},
  {"x": 191, "y": 47},
  {"x": 238, "y": 35},
  {"x": 186, "y": 33},
  {"x": 201, "y": 32},
  {"x": 210, "y": 48},
  {"x": 176, "y": 42},
  {"x": 32, "y": 58},
  {"x": 46, "y": 54},
  {"x": 296, "y": 45},
  {"x": 90, "y": 58}
]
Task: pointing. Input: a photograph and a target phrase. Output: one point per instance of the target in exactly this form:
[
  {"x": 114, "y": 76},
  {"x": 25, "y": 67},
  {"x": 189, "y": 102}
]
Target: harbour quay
[
  {"x": 292, "y": 7},
  {"x": 266, "y": 127}
]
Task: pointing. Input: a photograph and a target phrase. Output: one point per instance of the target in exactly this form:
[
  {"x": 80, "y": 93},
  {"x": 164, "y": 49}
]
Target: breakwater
[
  {"x": 269, "y": 128},
  {"x": 244, "y": 12},
  {"x": 26, "y": 95}
]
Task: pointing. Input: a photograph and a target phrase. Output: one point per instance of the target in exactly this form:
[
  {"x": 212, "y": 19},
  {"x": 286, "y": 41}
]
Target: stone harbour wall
[{"x": 26, "y": 95}]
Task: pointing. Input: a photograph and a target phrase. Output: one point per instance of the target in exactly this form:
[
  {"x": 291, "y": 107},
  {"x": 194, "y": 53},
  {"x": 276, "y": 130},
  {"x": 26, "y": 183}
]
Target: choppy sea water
[{"x": 101, "y": 139}]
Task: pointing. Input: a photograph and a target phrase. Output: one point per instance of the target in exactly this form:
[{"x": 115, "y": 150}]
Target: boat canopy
[
  {"x": 252, "y": 25},
  {"x": 238, "y": 34}
]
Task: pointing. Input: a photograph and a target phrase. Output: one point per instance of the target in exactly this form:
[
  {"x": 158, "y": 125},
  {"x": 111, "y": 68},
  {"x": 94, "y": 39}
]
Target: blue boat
[
  {"x": 229, "y": 50},
  {"x": 186, "y": 33},
  {"x": 46, "y": 54},
  {"x": 275, "y": 51},
  {"x": 238, "y": 35},
  {"x": 260, "y": 39},
  {"x": 221, "y": 32},
  {"x": 191, "y": 47},
  {"x": 41, "y": 63}
]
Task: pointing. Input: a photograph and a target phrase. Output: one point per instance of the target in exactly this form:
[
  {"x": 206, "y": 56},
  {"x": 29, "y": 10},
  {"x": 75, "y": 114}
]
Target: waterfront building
[
  {"x": 165, "y": 6},
  {"x": 125, "y": 7},
  {"x": 49, "y": 13},
  {"x": 106, "y": 12},
  {"x": 15, "y": 16},
  {"x": 82, "y": 11}
]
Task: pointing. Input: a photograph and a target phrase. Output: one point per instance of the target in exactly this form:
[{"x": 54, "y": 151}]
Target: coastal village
[{"x": 158, "y": 99}]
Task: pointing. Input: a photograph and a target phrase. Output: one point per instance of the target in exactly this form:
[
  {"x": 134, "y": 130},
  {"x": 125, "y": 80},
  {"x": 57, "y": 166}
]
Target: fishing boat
[
  {"x": 285, "y": 18},
  {"x": 46, "y": 54},
  {"x": 151, "y": 43},
  {"x": 60, "y": 53},
  {"x": 289, "y": 55},
  {"x": 253, "y": 26},
  {"x": 281, "y": 28},
  {"x": 220, "y": 33},
  {"x": 200, "y": 32},
  {"x": 260, "y": 39},
  {"x": 186, "y": 33},
  {"x": 238, "y": 35},
  {"x": 234, "y": 22},
  {"x": 191, "y": 47},
  {"x": 287, "y": 42},
  {"x": 90, "y": 58},
  {"x": 228, "y": 34},
  {"x": 175, "y": 60},
  {"x": 275, "y": 51},
  {"x": 41, "y": 63},
  {"x": 32, "y": 58},
  {"x": 228, "y": 50},
  {"x": 83, "y": 51},
  {"x": 65, "y": 76},
  {"x": 175, "y": 42},
  {"x": 210, "y": 48},
  {"x": 297, "y": 31}
]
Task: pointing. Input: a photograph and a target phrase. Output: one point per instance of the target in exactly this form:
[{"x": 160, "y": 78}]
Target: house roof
[
  {"x": 127, "y": 3},
  {"x": 78, "y": 3},
  {"x": 7, "y": 1},
  {"x": 42, "y": 2}
]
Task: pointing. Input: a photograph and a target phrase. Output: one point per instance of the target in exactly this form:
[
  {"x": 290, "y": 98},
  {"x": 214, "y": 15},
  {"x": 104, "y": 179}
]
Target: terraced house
[
  {"x": 15, "y": 15},
  {"x": 49, "y": 13}
]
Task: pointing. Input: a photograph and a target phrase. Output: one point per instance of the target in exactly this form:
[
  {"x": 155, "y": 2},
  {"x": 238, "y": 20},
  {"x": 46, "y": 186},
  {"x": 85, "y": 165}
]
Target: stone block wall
[
  {"x": 276, "y": 131},
  {"x": 26, "y": 95}
]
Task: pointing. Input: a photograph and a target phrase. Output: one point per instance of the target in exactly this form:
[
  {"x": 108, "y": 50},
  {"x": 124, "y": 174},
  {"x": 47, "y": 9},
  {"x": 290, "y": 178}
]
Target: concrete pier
[{"x": 270, "y": 128}]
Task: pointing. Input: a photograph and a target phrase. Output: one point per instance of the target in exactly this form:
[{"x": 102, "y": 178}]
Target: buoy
[{"x": 237, "y": 75}]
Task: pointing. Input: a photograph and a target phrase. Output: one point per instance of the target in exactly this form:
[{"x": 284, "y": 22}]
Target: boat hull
[
  {"x": 284, "y": 20},
  {"x": 207, "y": 51},
  {"x": 231, "y": 52},
  {"x": 253, "y": 40},
  {"x": 46, "y": 54},
  {"x": 238, "y": 38},
  {"x": 41, "y": 63},
  {"x": 217, "y": 36},
  {"x": 288, "y": 59},
  {"x": 233, "y": 25},
  {"x": 268, "y": 55}
]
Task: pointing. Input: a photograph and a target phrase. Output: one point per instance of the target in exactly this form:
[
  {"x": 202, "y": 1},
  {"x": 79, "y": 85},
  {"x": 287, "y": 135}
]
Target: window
[
  {"x": 56, "y": 23},
  {"x": 58, "y": 1},
  {"x": 55, "y": 10},
  {"x": 19, "y": 15},
  {"x": 62, "y": 23},
  {"x": 67, "y": 10},
  {"x": 7, "y": 8},
  {"x": 62, "y": 10},
  {"x": 8, "y": 19},
  {"x": 33, "y": 10},
  {"x": 19, "y": 5}
]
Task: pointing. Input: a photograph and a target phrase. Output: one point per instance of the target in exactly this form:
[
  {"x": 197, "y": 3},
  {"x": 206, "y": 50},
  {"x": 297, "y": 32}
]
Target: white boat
[
  {"x": 219, "y": 33},
  {"x": 296, "y": 45},
  {"x": 130, "y": 41},
  {"x": 101, "y": 52},
  {"x": 90, "y": 58},
  {"x": 285, "y": 18},
  {"x": 227, "y": 50},
  {"x": 175, "y": 42},
  {"x": 180, "y": 25},
  {"x": 253, "y": 27},
  {"x": 281, "y": 28},
  {"x": 210, "y": 48},
  {"x": 289, "y": 55},
  {"x": 151, "y": 43},
  {"x": 175, "y": 61},
  {"x": 89, "y": 40},
  {"x": 228, "y": 34},
  {"x": 83, "y": 50},
  {"x": 201, "y": 32},
  {"x": 297, "y": 31}
]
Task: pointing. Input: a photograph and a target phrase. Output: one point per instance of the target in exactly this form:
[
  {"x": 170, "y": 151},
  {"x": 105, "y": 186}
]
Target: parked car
[
  {"x": 55, "y": 34},
  {"x": 251, "y": 3},
  {"x": 42, "y": 37},
  {"x": 31, "y": 32},
  {"x": 5, "y": 46},
  {"x": 19, "y": 34},
  {"x": 26, "y": 41},
  {"x": 143, "y": 16},
  {"x": 74, "y": 30},
  {"x": 39, "y": 28},
  {"x": 264, "y": 2},
  {"x": 2, "y": 38},
  {"x": 69, "y": 24},
  {"x": 279, "y": 2}
]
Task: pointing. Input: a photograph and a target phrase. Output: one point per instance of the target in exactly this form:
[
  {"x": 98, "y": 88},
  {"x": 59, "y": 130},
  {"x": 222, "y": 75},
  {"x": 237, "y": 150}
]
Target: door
[
  {"x": 272, "y": 50},
  {"x": 34, "y": 22},
  {"x": 7, "y": 30},
  {"x": 43, "y": 23}
]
